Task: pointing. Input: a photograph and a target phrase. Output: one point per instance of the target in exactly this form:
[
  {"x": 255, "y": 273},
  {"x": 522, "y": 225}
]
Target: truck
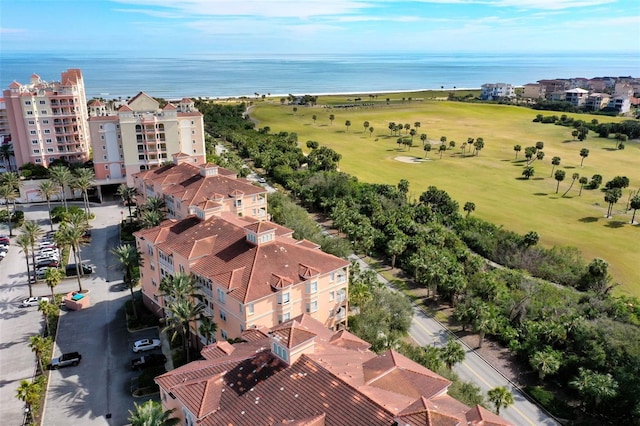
[{"x": 65, "y": 360}]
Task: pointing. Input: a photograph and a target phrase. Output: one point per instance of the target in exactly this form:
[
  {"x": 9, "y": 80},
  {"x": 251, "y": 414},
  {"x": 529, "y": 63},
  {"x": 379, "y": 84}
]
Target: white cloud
[{"x": 152, "y": 13}]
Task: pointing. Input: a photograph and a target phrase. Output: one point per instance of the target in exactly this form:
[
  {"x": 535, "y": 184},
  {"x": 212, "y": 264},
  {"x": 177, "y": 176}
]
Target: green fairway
[{"x": 492, "y": 180}]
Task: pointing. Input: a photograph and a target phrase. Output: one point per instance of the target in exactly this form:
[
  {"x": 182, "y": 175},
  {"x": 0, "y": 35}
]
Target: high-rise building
[
  {"x": 48, "y": 120},
  {"x": 142, "y": 135}
]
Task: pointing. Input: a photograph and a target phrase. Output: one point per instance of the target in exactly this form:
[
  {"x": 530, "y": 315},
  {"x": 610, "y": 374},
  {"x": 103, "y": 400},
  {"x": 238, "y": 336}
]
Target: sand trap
[{"x": 404, "y": 159}]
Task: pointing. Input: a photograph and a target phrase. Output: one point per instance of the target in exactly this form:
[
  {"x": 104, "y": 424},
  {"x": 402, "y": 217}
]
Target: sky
[{"x": 184, "y": 28}]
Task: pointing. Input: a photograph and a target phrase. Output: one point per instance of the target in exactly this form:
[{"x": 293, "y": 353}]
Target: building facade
[
  {"x": 48, "y": 121},
  {"x": 188, "y": 187},
  {"x": 301, "y": 373},
  {"x": 495, "y": 91},
  {"x": 141, "y": 135},
  {"x": 250, "y": 273}
]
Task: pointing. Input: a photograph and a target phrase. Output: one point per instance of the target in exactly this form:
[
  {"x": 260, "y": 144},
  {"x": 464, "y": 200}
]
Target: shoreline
[{"x": 373, "y": 92}]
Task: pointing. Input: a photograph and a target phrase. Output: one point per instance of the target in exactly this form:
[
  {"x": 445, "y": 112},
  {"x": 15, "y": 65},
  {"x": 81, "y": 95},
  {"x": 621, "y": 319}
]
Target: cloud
[
  {"x": 12, "y": 30},
  {"x": 152, "y": 13},
  {"x": 522, "y": 4}
]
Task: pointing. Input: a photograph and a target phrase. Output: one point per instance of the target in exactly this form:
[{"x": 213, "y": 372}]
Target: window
[
  {"x": 283, "y": 318},
  {"x": 33, "y": 132},
  {"x": 104, "y": 147},
  {"x": 27, "y": 102},
  {"x": 38, "y": 160},
  {"x": 332, "y": 296},
  {"x": 49, "y": 149},
  {"x": 104, "y": 157},
  {"x": 181, "y": 269},
  {"x": 150, "y": 249},
  {"x": 48, "y": 141},
  {"x": 152, "y": 266},
  {"x": 31, "y": 123},
  {"x": 312, "y": 287},
  {"x": 223, "y": 315},
  {"x": 36, "y": 151},
  {"x": 29, "y": 112},
  {"x": 194, "y": 151},
  {"x": 34, "y": 141},
  {"x": 241, "y": 328},
  {"x": 101, "y": 137},
  {"x": 47, "y": 131},
  {"x": 106, "y": 166},
  {"x": 283, "y": 298},
  {"x": 153, "y": 283},
  {"x": 250, "y": 309},
  {"x": 223, "y": 334},
  {"x": 42, "y": 102},
  {"x": 312, "y": 307},
  {"x": 45, "y": 121},
  {"x": 44, "y": 112},
  {"x": 221, "y": 295}
]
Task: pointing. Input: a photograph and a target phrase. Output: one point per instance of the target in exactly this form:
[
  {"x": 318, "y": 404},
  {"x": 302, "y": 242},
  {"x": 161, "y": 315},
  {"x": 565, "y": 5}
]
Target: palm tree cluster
[
  {"x": 182, "y": 306},
  {"x": 10, "y": 191},
  {"x": 130, "y": 262},
  {"x": 72, "y": 234},
  {"x": 152, "y": 212},
  {"x": 82, "y": 179}
]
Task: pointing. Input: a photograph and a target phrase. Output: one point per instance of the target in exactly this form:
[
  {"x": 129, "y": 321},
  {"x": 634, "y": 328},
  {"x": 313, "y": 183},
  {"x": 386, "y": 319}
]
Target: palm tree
[
  {"x": 151, "y": 414},
  {"x": 38, "y": 345},
  {"x": 500, "y": 397},
  {"x": 33, "y": 233},
  {"x": 366, "y": 126},
  {"x": 517, "y": 149},
  {"x": 331, "y": 118},
  {"x": 207, "y": 329},
  {"x": 371, "y": 131},
  {"x": 442, "y": 149},
  {"x": 555, "y": 161},
  {"x": 128, "y": 195},
  {"x": 154, "y": 203},
  {"x": 49, "y": 310},
  {"x": 47, "y": 188},
  {"x": 584, "y": 153},
  {"x": 73, "y": 236},
  {"x": 478, "y": 145},
  {"x": 423, "y": 138},
  {"x": 612, "y": 196},
  {"x": 583, "y": 181},
  {"x": 25, "y": 244},
  {"x": 528, "y": 172},
  {"x": 427, "y": 148},
  {"x": 8, "y": 195},
  {"x": 6, "y": 152},
  {"x": 85, "y": 180},
  {"x": 574, "y": 177},
  {"x": 181, "y": 313},
  {"x": 130, "y": 259},
  {"x": 395, "y": 248},
  {"x": 635, "y": 205},
  {"x": 52, "y": 277},
  {"x": 314, "y": 118},
  {"x": 62, "y": 176},
  {"x": 546, "y": 362},
  {"x": 347, "y": 124},
  {"x": 452, "y": 353},
  {"x": 178, "y": 286},
  {"x": 29, "y": 393},
  {"x": 594, "y": 386},
  {"x": 151, "y": 218},
  {"x": 12, "y": 180},
  {"x": 559, "y": 176},
  {"x": 469, "y": 207}
]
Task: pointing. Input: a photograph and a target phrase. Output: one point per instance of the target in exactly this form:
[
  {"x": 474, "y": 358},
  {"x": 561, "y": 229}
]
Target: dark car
[
  {"x": 52, "y": 263},
  {"x": 65, "y": 360},
  {"x": 71, "y": 271},
  {"x": 145, "y": 361}
]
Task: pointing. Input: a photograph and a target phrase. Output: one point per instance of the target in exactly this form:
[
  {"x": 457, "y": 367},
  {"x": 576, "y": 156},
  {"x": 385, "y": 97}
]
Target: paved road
[{"x": 425, "y": 330}]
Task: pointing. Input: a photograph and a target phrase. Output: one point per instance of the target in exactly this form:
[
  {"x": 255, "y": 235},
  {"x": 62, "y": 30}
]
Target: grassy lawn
[{"x": 491, "y": 180}]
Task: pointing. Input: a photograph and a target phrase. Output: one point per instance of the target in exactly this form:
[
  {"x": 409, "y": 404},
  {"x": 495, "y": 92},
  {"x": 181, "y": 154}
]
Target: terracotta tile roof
[
  {"x": 169, "y": 106},
  {"x": 290, "y": 334},
  {"x": 479, "y": 416},
  {"x": 254, "y": 334},
  {"x": 186, "y": 100},
  {"x": 34, "y": 75},
  {"x": 105, "y": 118},
  {"x": 124, "y": 108},
  {"x": 96, "y": 103},
  {"x": 200, "y": 396},
  {"x": 189, "y": 114},
  {"x": 180, "y": 154},
  {"x": 318, "y": 420},
  {"x": 14, "y": 85},
  {"x": 346, "y": 340}
]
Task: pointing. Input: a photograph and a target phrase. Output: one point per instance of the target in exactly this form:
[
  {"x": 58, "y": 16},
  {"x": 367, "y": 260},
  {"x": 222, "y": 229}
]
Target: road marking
[
  {"x": 524, "y": 416},
  {"x": 424, "y": 328}
]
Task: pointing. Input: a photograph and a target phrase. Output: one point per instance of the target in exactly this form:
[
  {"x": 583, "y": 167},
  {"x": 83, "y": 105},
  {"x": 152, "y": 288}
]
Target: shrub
[
  {"x": 551, "y": 402},
  {"x": 60, "y": 214}
]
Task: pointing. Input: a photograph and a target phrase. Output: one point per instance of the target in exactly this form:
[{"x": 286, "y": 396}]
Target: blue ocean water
[{"x": 113, "y": 77}]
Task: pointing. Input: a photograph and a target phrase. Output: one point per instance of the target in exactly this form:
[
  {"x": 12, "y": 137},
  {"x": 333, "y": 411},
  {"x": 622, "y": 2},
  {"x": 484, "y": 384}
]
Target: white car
[
  {"x": 50, "y": 256},
  {"x": 146, "y": 345},
  {"x": 34, "y": 301},
  {"x": 47, "y": 250},
  {"x": 46, "y": 243}
]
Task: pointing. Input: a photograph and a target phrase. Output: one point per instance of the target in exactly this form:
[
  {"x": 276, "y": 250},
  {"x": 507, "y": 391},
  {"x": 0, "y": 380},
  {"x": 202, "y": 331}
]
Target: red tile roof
[
  {"x": 124, "y": 108},
  {"x": 14, "y": 85},
  {"x": 169, "y": 106}
]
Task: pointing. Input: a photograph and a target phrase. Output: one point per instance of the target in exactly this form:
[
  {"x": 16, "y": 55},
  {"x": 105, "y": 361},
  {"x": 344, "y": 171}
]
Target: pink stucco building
[{"x": 48, "y": 120}]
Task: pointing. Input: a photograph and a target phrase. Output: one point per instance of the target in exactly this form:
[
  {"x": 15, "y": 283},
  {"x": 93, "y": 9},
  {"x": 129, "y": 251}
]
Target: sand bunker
[{"x": 404, "y": 159}]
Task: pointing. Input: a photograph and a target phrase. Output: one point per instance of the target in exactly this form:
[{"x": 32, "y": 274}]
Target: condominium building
[
  {"x": 495, "y": 91},
  {"x": 190, "y": 188},
  {"x": 48, "y": 121},
  {"x": 301, "y": 373},
  {"x": 576, "y": 97},
  {"x": 142, "y": 135},
  {"x": 250, "y": 273}
]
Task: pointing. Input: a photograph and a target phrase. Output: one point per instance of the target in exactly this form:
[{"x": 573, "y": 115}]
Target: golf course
[{"x": 493, "y": 178}]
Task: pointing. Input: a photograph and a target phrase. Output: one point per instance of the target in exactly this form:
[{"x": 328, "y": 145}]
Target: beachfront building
[
  {"x": 48, "y": 120},
  {"x": 496, "y": 91},
  {"x": 142, "y": 135},
  {"x": 576, "y": 97},
  {"x": 301, "y": 373},
  {"x": 620, "y": 104},
  {"x": 533, "y": 91},
  {"x": 187, "y": 187},
  {"x": 250, "y": 273},
  {"x": 596, "y": 101}
]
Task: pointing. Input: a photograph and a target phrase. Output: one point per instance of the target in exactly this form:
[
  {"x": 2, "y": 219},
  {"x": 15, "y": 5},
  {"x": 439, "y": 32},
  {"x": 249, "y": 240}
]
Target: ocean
[{"x": 227, "y": 76}]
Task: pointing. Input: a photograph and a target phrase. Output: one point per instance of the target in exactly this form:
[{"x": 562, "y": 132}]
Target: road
[{"x": 425, "y": 330}]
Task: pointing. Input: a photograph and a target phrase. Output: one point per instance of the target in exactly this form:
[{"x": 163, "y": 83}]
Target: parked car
[
  {"x": 70, "y": 270},
  {"x": 65, "y": 360},
  {"x": 262, "y": 180},
  {"x": 5, "y": 240},
  {"x": 47, "y": 250},
  {"x": 146, "y": 345},
  {"x": 3, "y": 254},
  {"x": 34, "y": 301},
  {"x": 47, "y": 262},
  {"x": 46, "y": 244},
  {"x": 146, "y": 361}
]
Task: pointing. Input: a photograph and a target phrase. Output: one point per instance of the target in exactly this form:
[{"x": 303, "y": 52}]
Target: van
[{"x": 85, "y": 269}]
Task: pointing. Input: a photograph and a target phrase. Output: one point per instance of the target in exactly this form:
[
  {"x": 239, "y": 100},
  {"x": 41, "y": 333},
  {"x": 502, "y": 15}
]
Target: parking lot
[{"x": 97, "y": 391}]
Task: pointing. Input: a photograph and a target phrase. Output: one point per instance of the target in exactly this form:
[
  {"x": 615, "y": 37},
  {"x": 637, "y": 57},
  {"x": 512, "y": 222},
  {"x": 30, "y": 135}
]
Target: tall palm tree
[
  {"x": 151, "y": 218},
  {"x": 49, "y": 310},
  {"x": 73, "y": 236},
  {"x": 128, "y": 195},
  {"x": 62, "y": 176},
  {"x": 47, "y": 189},
  {"x": 33, "y": 233},
  {"x": 452, "y": 353},
  {"x": 546, "y": 362},
  {"x": 52, "y": 277},
  {"x": 151, "y": 414},
  {"x": 38, "y": 345},
  {"x": 574, "y": 177},
  {"x": 181, "y": 313},
  {"x": 130, "y": 259},
  {"x": 500, "y": 397},
  {"x": 634, "y": 203},
  {"x": 85, "y": 180},
  {"x": 8, "y": 195},
  {"x": 6, "y": 152},
  {"x": 29, "y": 393},
  {"x": 12, "y": 180},
  {"x": 559, "y": 176},
  {"x": 207, "y": 328},
  {"x": 25, "y": 244},
  {"x": 178, "y": 286}
]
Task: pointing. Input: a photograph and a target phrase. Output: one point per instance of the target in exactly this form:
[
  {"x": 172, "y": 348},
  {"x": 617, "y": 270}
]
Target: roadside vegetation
[{"x": 428, "y": 237}]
